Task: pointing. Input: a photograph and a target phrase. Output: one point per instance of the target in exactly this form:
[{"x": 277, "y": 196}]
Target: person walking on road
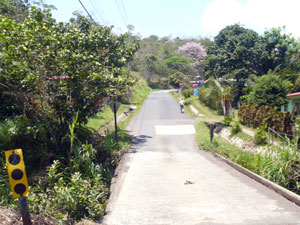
[{"x": 181, "y": 102}]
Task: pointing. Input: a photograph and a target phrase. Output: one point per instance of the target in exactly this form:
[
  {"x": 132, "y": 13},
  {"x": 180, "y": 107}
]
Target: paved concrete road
[{"x": 167, "y": 180}]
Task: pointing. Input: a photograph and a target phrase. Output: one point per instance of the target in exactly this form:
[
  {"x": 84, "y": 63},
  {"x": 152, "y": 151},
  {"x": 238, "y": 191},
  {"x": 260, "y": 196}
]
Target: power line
[
  {"x": 101, "y": 11},
  {"x": 87, "y": 12},
  {"x": 122, "y": 16},
  {"x": 125, "y": 12},
  {"x": 99, "y": 15}
]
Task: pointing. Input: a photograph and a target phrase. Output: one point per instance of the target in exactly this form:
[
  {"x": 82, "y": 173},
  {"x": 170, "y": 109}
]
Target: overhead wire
[
  {"x": 97, "y": 11},
  {"x": 125, "y": 12},
  {"x": 120, "y": 11},
  {"x": 87, "y": 12},
  {"x": 98, "y": 5}
]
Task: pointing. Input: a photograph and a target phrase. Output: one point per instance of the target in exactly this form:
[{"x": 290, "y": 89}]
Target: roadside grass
[
  {"x": 243, "y": 136},
  {"x": 278, "y": 164},
  {"x": 101, "y": 118},
  {"x": 204, "y": 110},
  {"x": 194, "y": 100}
]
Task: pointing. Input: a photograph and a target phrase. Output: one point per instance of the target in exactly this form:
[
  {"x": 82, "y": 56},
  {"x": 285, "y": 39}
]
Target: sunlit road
[{"x": 165, "y": 179}]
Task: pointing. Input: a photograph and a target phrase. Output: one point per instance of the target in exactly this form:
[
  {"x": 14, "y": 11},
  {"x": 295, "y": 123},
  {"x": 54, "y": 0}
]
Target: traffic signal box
[{"x": 16, "y": 173}]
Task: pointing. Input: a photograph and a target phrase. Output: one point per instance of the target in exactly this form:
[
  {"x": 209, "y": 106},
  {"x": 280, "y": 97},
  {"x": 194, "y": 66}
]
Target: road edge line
[{"x": 291, "y": 196}]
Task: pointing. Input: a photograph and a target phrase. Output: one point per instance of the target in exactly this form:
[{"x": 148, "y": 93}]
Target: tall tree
[
  {"x": 56, "y": 70},
  {"x": 235, "y": 54},
  {"x": 194, "y": 51},
  {"x": 278, "y": 46}
]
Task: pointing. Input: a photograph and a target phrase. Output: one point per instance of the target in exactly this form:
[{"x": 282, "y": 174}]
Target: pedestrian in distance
[{"x": 181, "y": 103}]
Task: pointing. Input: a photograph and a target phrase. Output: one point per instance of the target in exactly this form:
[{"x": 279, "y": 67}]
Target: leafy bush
[
  {"x": 211, "y": 97},
  {"x": 260, "y": 137},
  {"x": 74, "y": 192},
  {"x": 158, "y": 83},
  {"x": 278, "y": 164},
  {"x": 227, "y": 120},
  {"x": 254, "y": 115},
  {"x": 269, "y": 90},
  {"x": 236, "y": 128},
  {"x": 176, "y": 78},
  {"x": 187, "y": 92}
]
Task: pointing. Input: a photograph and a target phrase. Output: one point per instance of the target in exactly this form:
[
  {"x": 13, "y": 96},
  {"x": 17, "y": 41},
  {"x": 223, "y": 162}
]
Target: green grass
[
  {"x": 278, "y": 164},
  {"x": 140, "y": 90},
  {"x": 243, "y": 136},
  {"x": 138, "y": 94},
  {"x": 194, "y": 100},
  {"x": 100, "y": 119},
  {"x": 204, "y": 110}
]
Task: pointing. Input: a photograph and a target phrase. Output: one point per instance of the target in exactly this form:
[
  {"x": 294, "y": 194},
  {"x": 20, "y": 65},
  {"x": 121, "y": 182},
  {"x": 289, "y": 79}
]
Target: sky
[{"x": 185, "y": 18}]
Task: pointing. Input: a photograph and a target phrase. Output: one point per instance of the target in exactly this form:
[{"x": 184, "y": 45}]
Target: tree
[
  {"x": 54, "y": 71},
  {"x": 269, "y": 90},
  {"x": 19, "y": 9},
  {"x": 176, "y": 78},
  {"x": 278, "y": 46},
  {"x": 16, "y": 9},
  {"x": 194, "y": 51},
  {"x": 236, "y": 55},
  {"x": 180, "y": 64}
]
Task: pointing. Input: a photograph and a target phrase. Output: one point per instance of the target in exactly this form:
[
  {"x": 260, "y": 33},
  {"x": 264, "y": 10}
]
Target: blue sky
[{"x": 186, "y": 18}]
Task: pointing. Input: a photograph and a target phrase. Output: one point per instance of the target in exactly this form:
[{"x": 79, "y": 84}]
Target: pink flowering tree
[{"x": 194, "y": 51}]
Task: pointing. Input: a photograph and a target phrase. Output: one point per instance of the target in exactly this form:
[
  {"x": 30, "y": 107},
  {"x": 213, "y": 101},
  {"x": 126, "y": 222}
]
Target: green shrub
[
  {"x": 236, "y": 128},
  {"x": 260, "y": 137},
  {"x": 74, "y": 192},
  {"x": 187, "y": 92},
  {"x": 211, "y": 97},
  {"x": 255, "y": 116},
  {"x": 227, "y": 120}
]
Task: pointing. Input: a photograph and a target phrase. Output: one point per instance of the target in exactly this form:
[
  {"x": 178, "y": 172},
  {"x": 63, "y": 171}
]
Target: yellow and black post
[{"x": 18, "y": 181}]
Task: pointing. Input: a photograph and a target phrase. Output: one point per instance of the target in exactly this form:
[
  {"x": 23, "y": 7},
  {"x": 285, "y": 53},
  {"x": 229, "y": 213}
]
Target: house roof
[{"x": 296, "y": 94}]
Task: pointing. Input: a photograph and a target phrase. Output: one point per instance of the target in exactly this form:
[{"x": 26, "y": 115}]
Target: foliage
[
  {"x": 239, "y": 54},
  {"x": 176, "y": 78},
  {"x": 102, "y": 117},
  {"x": 17, "y": 9},
  {"x": 227, "y": 120},
  {"x": 55, "y": 70},
  {"x": 269, "y": 90},
  {"x": 278, "y": 164},
  {"x": 278, "y": 47},
  {"x": 158, "y": 83},
  {"x": 70, "y": 196},
  {"x": 236, "y": 128},
  {"x": 140, "y": 89},
  {"x": 194, "y": 51},
  {"x": 211, "y": 95},
  {"x": 234, "y": 54},
  {"x": 179, "y": 63},
  {"x": 256, "y": 116},
  {"x": 260, "y": 136},
  {"x": 187, "y": 91}
]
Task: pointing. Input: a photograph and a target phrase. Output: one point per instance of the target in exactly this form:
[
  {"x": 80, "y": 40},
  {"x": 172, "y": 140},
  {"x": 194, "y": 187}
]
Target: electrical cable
[
  {"x": 122, "y": 16},
  {"x": 125, "y": 12},
  {"x": 87, "y": 11},
  {"x": 99, "y": 15},
  {"x": 98, "y": 5}
]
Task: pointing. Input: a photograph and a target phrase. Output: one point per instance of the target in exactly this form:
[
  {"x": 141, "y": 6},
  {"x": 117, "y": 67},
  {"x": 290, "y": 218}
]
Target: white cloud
[{"x": 254, "y": 14}]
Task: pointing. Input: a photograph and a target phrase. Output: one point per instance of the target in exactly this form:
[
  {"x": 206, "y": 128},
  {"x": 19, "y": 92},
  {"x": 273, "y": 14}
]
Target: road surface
[{"x": 167, "y": 180}]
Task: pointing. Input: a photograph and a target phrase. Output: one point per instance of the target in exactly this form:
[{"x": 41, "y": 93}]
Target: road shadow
[{"x": 138, "y": 142}]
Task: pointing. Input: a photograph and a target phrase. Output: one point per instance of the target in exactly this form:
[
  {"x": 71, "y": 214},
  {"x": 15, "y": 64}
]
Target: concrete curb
[{"x": 280, "y": 190}]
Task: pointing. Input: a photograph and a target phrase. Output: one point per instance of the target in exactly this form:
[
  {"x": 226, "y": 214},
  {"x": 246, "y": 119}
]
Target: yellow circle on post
[{"x": 16, "y": 173}]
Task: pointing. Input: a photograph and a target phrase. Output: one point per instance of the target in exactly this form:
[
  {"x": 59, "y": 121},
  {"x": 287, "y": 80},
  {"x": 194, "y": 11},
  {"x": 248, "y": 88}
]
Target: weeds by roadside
[{"x": 279, "y": 164}]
